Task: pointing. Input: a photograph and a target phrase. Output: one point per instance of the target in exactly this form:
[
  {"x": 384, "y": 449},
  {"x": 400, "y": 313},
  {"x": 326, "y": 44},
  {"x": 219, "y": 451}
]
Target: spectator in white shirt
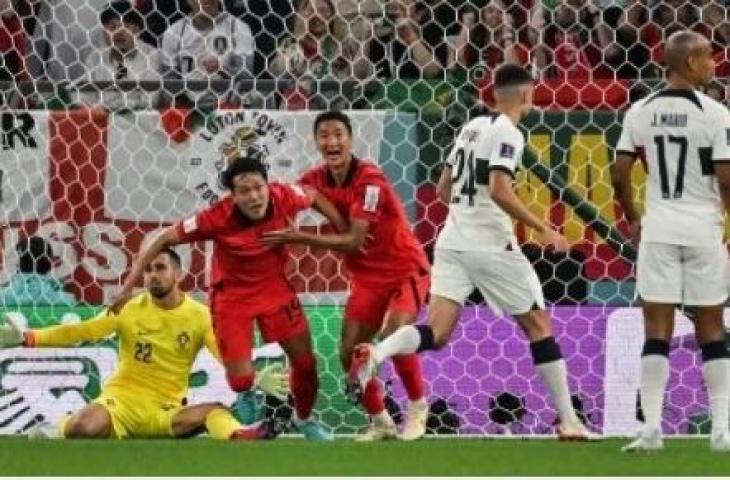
[
  {"x": 208, "y": 44},
  {"x": 124, "y": 57}
]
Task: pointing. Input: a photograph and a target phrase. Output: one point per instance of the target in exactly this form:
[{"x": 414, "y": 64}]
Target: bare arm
[
  {"x": 722, "y": 172},
  {"x": 621, "y": 181},
  {"x": 501, "y": 192},
  {"x": 443, "y": 188},
  {"x": 350, "y": 241}
]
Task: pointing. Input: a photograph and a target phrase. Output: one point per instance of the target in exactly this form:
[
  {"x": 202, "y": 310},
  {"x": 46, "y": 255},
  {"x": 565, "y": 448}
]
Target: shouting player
[
  {"x": 389, "y": 271},
  {"x": 248, "y": 281},
  {"x": 683, "y": 137},
  {"x": 160, "y": 333},
  {"x": 477, "y": 247}
]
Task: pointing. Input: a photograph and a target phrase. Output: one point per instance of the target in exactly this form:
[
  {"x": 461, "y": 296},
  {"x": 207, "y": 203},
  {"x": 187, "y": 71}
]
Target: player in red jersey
[
  {"x": 248, "y": 281},
  {"x": 389, "y": 271}
]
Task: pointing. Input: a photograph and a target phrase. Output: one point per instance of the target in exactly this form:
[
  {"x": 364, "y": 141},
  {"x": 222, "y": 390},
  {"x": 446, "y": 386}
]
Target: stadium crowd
[{"x": 303, "y": 41}]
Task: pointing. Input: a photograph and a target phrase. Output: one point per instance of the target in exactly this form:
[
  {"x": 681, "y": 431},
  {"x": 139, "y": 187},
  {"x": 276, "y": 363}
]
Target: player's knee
[
  {"x": 240, "y": 383},
  {"x": 84, "y": 426},
  {"x": 536, "y": 324}
]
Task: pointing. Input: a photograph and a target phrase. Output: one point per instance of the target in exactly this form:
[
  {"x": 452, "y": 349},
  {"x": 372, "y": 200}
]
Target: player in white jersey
[
  {"x": 683, "y": 138},
  {"x": 477, "y": 247},
  {"x": 207, "y": 44}
]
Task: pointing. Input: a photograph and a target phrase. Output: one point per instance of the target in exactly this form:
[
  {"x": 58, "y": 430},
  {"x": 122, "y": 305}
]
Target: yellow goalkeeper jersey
[{"x": 157, "y": 347}]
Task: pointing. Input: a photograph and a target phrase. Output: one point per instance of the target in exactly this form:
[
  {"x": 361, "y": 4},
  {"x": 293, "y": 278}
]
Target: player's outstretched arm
[
  {"x": 166, "y": 238},
  {"x": 722, "y": 172},
  {"x": 443, "y": 188},
  {"x": 501, "y": 192},
  {"x": 350, "y": 241},
  {"x": 624, "y": 190},
  {"x": 59, "y": 336},
  {"x": 327, "y": 208}
]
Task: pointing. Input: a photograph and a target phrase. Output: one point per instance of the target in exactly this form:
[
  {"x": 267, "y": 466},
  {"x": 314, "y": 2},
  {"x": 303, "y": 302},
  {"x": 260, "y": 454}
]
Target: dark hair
[
  {"x": 35, "y": 255},
  {"x": 510, "y": 75},
  {"x": 174, "y": 256},
  {"x": 332, "y": 115},
  {"x": 123, "y": 11},
  {"x": 242, "y": 165}
]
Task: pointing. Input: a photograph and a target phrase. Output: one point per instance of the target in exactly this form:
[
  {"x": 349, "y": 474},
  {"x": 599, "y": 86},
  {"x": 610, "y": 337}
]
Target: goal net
[{"x": 118, "y": 119}]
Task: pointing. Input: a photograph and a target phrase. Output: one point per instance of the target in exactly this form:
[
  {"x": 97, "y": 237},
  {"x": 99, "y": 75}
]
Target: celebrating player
[
  {"x": 683, "y": 137},
  {"x": 248, "y": 281},
  {"x": 477, "y": 247},
  {"x": 160, "y": 334},
  {"x": 389, "y": 270}
]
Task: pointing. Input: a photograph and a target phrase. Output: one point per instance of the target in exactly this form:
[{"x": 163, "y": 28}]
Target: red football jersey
[
  {"x": 392, "y": 249},
  {"x": 240, "y": 261}
]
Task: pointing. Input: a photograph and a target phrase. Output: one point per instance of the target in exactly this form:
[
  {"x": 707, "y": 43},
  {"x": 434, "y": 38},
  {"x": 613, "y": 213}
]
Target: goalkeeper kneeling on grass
[{"x": 160, "y": 333}]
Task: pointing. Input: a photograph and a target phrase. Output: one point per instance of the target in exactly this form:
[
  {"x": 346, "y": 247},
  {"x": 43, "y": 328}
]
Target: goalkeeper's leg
[
  {"x": 218, "y": 421},
  {"x": 92, "y": 421}
]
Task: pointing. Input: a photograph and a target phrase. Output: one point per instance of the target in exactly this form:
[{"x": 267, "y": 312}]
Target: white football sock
[
  {"x": 555, "y": 376},
  {"x": 403, "y": 341},
  {"x": 654, "y": 377},
  {"x": 716, "y": 377}
]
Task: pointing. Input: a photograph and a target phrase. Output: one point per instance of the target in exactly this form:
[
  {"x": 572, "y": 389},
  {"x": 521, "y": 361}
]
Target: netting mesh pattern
[{"x": 118, "y": 118}]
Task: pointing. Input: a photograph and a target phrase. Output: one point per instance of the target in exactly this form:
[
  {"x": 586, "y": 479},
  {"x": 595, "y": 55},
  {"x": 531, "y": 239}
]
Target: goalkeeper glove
[
  {"x": 273, "y": 380},
  {"x": 10, "y": 335}
]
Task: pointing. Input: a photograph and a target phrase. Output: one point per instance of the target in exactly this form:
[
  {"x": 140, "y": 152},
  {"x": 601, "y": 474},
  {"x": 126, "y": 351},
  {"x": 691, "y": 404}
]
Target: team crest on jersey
[
  {"x": 506, "y": 150},
  {"x": 228, "y": 135},
  {"x": 183, "y": 340}
]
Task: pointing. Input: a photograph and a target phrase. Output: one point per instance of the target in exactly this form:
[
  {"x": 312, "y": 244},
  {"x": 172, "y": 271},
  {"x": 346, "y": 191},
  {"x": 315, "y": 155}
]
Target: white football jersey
[
  {"x": 230, "y": 40},
  {"x": 475, "y": 222},
  {"x": 680, "y": 135}
]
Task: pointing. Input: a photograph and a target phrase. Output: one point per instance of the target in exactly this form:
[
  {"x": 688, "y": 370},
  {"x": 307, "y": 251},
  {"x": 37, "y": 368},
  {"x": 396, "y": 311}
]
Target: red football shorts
[
  {"x": 369, "y": 301},
  {"x": 233, "y": 325}
]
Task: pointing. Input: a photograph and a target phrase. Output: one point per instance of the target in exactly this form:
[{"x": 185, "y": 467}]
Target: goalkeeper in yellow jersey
[{"x": 160, "y": 334}]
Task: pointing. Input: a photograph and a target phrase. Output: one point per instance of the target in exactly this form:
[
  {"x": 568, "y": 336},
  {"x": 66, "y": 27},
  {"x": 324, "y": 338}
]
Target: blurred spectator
[
  {"x": 33, "y": 285},
  {"x": 488, "y": 40},
  {"x": 438, "y": 20},
  {"x": 122, "y": 58},
  {"x": 322, "y": 46},
  {"x": 400, "y": 50},
  {"x": 717, "y": 19},
  {"x": 64, "y": 34},
  {"x": 268, "y": 22},
  {"x": 630, "y": 55},
  {"x": 717, "y": 91},
  {"x": 209, "y": 44},
  {"x": 569, "y": 39},
  {"x": 12, "y": 43},
  {"x": 159, "y": 15},
  {"x": 682, "y": 12}
]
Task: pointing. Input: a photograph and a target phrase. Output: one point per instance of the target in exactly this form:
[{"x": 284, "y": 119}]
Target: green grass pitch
[{"x": 445, "y": 457}]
